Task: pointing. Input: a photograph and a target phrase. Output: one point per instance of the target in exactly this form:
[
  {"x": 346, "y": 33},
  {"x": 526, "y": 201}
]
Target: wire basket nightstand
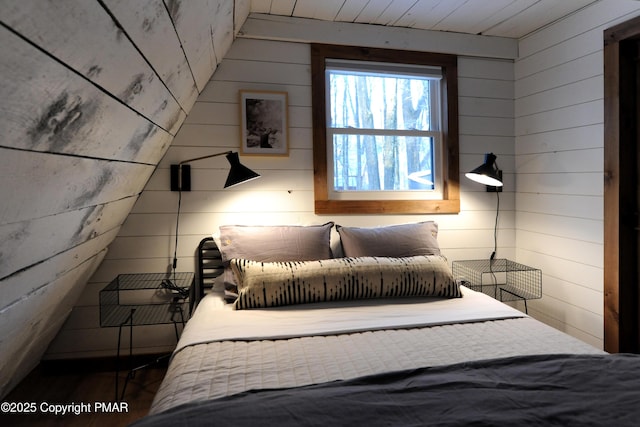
[
  {"x": 143, "y": 293},
  {"x": 502, "y": 279},
  {"x": 143, "y": 299}
]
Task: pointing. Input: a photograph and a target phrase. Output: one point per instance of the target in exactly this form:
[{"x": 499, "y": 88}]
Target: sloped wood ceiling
[{"x": 92, "y": 94}]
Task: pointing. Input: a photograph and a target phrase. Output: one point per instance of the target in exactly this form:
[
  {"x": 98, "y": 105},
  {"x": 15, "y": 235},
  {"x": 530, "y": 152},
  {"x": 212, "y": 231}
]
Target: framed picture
[{"x": 264, "y": 121}]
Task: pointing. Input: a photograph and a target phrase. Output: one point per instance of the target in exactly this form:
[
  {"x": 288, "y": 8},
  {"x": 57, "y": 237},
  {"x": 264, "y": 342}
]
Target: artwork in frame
[{"x": 264, "y": 122}]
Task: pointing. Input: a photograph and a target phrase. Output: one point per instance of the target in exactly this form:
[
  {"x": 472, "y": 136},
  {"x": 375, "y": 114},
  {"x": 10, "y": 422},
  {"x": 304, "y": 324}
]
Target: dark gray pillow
[
  {"x": 272, "y": 243},
  {"x": 402, "y": 240}
]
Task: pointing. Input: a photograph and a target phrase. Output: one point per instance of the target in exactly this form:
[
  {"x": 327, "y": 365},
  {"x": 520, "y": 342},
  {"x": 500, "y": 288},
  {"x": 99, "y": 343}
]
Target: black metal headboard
[{"x": 209, "y": 267}]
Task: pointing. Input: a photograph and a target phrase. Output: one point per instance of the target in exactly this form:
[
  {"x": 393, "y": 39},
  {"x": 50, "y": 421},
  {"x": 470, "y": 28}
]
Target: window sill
[{"x": 359, "y": 207}]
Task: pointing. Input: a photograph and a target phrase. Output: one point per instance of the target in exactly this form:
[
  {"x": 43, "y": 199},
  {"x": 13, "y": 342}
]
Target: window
[{"x": 385, "y": 132}]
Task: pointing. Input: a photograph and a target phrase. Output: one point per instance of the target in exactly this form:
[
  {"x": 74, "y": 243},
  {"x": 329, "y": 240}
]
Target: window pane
[
  {"x": 383, "y": 163},
  {"x": 368, "y": 100}
]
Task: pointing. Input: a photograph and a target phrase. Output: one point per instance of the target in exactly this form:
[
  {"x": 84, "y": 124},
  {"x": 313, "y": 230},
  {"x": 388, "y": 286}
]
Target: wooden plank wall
[
  {"x": 93, "y": 93},
  {"x": 559, "y": 164},
  {"x": 284, "y": 194}
]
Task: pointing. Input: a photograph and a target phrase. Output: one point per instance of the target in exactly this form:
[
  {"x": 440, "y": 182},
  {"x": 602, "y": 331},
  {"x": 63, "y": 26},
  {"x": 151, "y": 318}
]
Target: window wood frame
[{"x": 450, "y": 202}]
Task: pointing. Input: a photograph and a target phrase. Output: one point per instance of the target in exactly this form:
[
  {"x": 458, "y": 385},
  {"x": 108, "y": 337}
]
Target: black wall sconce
[
  {"x": 487, "y": 174},
  {"x": 181, "y": 181},
  {"x": 238, "y": 173}
]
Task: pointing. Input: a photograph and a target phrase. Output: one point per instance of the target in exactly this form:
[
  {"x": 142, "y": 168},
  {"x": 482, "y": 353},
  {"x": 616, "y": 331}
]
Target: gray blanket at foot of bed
[{"x": 546, "y": 390}]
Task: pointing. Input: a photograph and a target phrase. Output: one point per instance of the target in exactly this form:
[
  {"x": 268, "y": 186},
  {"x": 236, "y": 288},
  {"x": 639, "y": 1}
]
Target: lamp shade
[
  {"x": 486, "y": 173},
  {"x": 238, "y": 173}
]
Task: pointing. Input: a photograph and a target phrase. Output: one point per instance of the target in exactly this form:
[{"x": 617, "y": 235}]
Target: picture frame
[{"x": 264, "y": 120}]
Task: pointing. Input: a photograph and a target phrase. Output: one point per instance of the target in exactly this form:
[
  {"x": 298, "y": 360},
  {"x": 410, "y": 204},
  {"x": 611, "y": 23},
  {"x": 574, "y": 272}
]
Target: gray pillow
[
  {"x": 402, "y": 240},
  {"x": 271, "y": 243},
  {"x": 264, "y": 284}
]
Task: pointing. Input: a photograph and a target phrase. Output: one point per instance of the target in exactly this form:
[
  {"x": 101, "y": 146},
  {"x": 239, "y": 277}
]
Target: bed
[{"x": 319, "y": 335}]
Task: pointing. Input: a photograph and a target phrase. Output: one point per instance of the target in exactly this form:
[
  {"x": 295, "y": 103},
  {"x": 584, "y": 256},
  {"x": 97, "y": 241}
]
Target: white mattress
[{"x": 224, "y": 352}]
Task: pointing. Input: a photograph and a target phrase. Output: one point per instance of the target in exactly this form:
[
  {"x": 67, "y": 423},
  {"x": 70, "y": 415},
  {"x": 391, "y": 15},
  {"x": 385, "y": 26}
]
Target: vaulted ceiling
[{"x": 93, "y": 93}]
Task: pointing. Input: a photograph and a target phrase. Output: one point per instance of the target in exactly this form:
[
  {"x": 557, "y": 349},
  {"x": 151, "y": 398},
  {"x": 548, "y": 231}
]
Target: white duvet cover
[{"x": 216, "y": 321}]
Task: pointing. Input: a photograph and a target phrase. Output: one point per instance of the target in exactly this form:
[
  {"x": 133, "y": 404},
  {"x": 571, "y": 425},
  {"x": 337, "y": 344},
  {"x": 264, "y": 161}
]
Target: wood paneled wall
[
  {"x": 93, "y": 93},
  {"x": 284, "y": 194},
  {"x": 559, "y": 166}
]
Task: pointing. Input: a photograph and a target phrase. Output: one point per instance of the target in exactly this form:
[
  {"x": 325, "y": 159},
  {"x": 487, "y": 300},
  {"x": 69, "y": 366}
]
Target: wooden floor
[{"x": 51, "y": 384}]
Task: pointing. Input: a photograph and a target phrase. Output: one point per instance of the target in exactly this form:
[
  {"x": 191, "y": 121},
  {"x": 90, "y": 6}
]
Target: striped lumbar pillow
[{"x": 271, "y": 284}]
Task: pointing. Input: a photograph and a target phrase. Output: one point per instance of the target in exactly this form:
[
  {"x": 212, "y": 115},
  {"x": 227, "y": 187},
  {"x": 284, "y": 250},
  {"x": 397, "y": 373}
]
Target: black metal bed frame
[{"x": 209, "y": 267}]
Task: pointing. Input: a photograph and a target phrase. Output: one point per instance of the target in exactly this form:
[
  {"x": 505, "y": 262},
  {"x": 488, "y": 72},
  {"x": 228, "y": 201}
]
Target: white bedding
[
  {"x": 224, "y": 352},
  {"x": 216, "y": 321}
]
